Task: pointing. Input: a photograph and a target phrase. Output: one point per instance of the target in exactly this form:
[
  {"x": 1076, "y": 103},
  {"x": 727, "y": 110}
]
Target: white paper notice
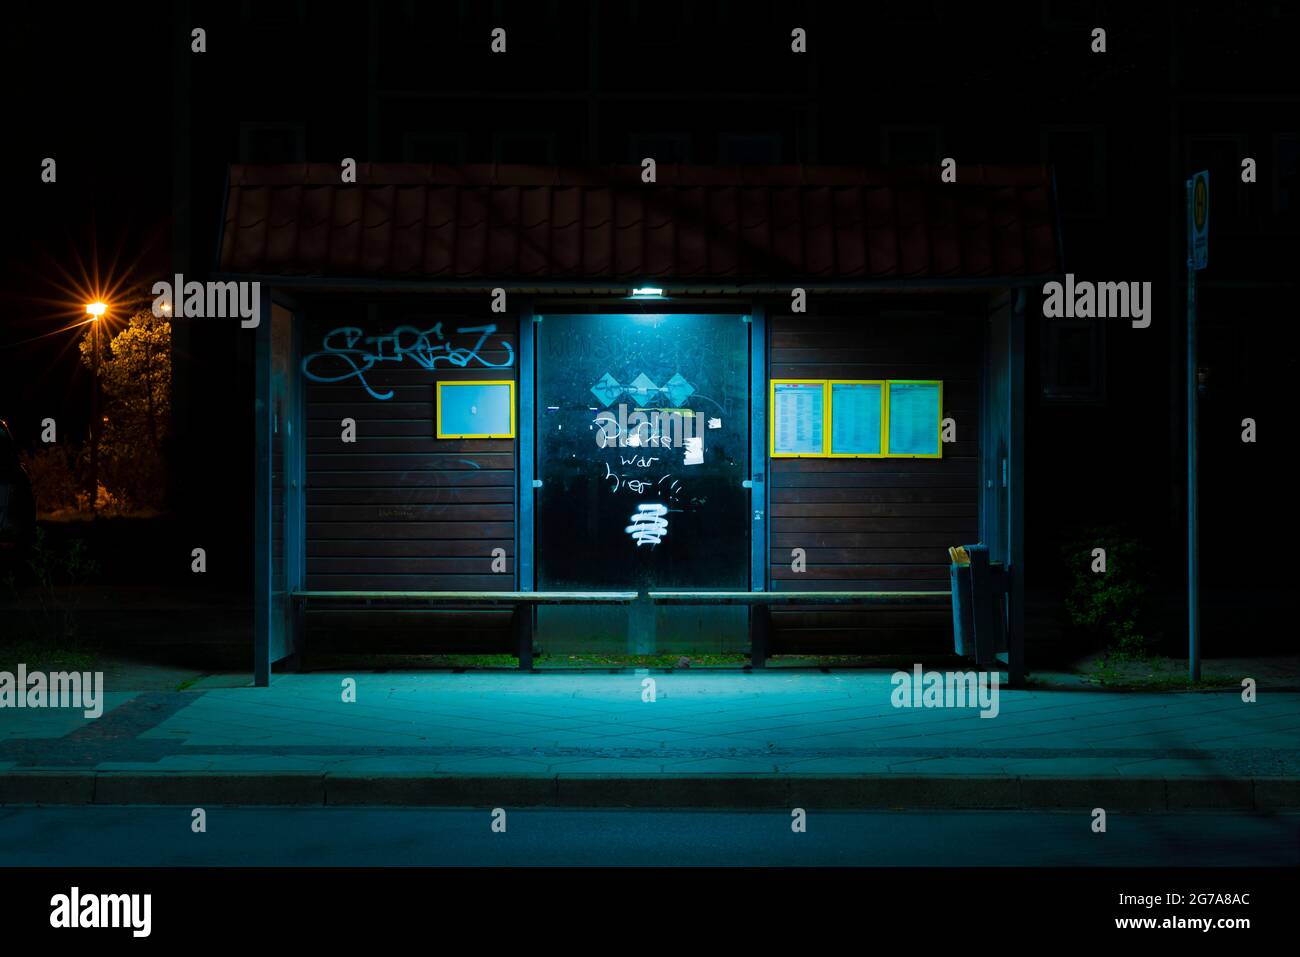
[
  {"x": 715, "y": 423},
  {"x": 694, "y": 451}
]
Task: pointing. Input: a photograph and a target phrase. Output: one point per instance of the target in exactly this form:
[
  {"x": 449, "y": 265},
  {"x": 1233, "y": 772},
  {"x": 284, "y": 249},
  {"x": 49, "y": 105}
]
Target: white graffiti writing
[
  {"x": 648, "y": 524},
  {"x": 639, "y": 486},
  {"x": 346, "y": 353},
  {"x": 644, "y": 428}
]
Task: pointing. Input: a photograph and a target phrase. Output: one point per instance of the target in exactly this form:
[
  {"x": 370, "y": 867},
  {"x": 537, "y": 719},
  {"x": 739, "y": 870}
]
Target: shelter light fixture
[{"x": 647, "y": 292}]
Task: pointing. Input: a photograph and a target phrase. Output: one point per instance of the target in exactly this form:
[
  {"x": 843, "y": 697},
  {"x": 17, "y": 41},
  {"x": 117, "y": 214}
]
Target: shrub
[
  {"x": 55, "y": 479},
  {"x": 1114, "y": 605},
  {"x": 53, "y": 612}
]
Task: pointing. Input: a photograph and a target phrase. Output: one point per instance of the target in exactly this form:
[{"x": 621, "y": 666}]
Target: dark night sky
[
  {"x": 90, "y": 86},
  {"x": 80, "y": 87}
]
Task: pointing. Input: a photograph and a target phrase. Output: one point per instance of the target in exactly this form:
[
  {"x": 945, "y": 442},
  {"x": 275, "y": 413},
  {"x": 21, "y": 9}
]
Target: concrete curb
[{"x": 701, "y": 790}]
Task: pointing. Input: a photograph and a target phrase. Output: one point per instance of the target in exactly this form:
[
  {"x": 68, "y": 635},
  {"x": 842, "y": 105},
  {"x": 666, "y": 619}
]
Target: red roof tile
[{"x": 739, "y": 224}]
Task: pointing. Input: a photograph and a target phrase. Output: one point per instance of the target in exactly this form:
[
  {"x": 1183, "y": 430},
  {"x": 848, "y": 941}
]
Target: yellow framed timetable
[
  {"x": 797, "y": 420},
  {"x": 856, "y": 418},
  {"x": 476, "y": 409},
  {"x": 858, "y": 413},
  {"x": 915, "y": 418}
]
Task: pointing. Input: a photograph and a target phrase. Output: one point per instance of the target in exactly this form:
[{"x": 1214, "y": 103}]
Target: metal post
[
  {"x": 1193, "y": 561},
  {"x": 524, "y": 630},
  {"x": 1014, "y": 481},
  {"x": 94, "y": 417},
  {"x": 760, "y": 621},
  {"x": 760, "y": 627},
  {"x": 263, "y": 535},
  {"x": 525, "y": 447}
]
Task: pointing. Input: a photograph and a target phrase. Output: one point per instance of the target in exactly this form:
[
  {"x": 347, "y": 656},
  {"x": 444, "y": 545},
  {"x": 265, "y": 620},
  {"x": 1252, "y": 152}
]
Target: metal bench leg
[
  {"x": 297, "y": 625},
  {"x": 523, "y": 622},
  {"x": 760, "y": 625}
]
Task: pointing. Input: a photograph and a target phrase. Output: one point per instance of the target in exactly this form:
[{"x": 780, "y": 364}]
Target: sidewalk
[{"x": 717, "y": 739}]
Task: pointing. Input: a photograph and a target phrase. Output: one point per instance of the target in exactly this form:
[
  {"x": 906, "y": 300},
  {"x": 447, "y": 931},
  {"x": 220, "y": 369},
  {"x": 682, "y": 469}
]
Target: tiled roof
[{"x": 696, "y": 224}]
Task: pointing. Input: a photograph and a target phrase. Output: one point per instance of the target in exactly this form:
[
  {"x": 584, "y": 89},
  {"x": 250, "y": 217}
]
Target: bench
[
  {"x": 524, "y": 604},
  {"x": 761, "y": 602}
]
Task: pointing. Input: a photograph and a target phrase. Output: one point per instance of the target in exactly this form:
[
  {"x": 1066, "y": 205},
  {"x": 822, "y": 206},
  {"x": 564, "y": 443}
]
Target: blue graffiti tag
[{"x": 426, "y": 348}]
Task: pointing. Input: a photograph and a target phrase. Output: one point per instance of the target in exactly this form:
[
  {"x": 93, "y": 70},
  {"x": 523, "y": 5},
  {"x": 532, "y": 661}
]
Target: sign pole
[{"x": 1198, "y": 221}]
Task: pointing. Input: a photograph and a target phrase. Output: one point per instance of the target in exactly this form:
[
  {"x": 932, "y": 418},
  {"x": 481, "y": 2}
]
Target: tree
[{"x": 135, "y": 370}]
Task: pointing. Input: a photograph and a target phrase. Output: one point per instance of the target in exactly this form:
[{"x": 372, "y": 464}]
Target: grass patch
[
  {"x": 327, "y": 661},
  {"x": 45, "y": 656},
  {"x": 458, "y": 662},
  {"x": 1125, "y": 672},
  {"x": 641, "y": 661}
]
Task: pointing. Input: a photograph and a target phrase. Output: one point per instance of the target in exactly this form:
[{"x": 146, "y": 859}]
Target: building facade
[{"x": 477, "y": 379}]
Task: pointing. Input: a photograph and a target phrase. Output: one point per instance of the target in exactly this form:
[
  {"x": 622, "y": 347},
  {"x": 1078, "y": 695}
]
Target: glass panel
[
  {"x": 642, "y": 449},
  {"x": 284, "y": 544},
  {"x": 855, "y": 418},
  {"x": 475, "y": 409},
  {"x": 797, "y": 418},
  {"x": 914, "y": 418}
]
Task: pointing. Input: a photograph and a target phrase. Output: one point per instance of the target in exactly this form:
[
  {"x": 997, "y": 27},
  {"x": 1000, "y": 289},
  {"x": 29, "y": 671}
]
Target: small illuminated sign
[{"x": 478, "y": 409}]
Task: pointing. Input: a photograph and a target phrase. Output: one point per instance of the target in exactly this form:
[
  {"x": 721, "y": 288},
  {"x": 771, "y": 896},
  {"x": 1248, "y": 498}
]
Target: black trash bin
[
  {"x": 963, "y": 620},
  {"x": 976, "y": 607}
]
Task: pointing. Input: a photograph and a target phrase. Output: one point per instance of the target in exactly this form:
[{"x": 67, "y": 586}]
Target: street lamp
[{"x": 96, "y": 312}]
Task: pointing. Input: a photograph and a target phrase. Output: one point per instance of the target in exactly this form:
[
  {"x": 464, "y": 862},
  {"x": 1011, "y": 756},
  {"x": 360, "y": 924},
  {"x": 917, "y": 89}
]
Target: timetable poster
[
  {"x": 855, "y": 418},
  {"x": 797, "y": 415},
  {"x": 914, "y": 418}
]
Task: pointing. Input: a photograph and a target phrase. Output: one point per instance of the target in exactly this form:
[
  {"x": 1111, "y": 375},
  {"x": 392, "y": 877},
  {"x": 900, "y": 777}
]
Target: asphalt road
[{"x": 162, "y": 836}]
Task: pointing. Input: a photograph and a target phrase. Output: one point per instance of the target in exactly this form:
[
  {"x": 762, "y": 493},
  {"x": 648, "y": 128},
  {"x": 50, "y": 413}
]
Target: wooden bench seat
[
  {"x": 760, "y": 602},
  {"x": 524, "y": 604}
]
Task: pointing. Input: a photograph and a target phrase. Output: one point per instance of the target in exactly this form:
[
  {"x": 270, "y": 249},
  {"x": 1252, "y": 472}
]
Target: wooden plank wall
[
  {"x": 876, "y": 524},
  {"x": 400, "y": 509}
]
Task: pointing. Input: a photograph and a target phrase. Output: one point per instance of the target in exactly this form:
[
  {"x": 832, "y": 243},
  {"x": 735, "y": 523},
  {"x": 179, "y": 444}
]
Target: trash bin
[
  {"x": 963, "y": 619},
  {"x": 976, "y": 608}
]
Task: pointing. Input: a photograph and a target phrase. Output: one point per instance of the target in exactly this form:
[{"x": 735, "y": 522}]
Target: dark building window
[
  {"x": 745, "y": 148},
  {"x": 657, "y": 22},
  {"x": 1077, "y": 156},
  {"x": 661, "y": 147},
  {"x": 527, "y": 15},
  {"x": 433, "y": 148},
  {"x": 273, "y": 13},
  {"x": 910, "y": 145},
  {"x": 1070, "y": 14},
  {"x": 751, "y": 15},
  {"x": 914, "y": 11},
  {"x": 537, "y": 149},
  {"x": 447, "y": 16},
  {"x": 271, "y": 143},
  {"x": 1286, "y": 190},
  {"x": 1073, "y": 360}
]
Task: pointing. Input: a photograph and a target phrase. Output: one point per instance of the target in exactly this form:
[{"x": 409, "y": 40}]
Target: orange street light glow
[{"x": 96, "y": 309}]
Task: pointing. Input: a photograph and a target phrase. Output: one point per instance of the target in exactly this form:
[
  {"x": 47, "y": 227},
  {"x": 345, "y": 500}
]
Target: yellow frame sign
[
  {"x": 771, "y": 419},
  {"x": 828, "y": 412},
  {"x": 884, "y": 419},
  {"x": 938, "y": 454},
  {"x": 454, "y": 383}
]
